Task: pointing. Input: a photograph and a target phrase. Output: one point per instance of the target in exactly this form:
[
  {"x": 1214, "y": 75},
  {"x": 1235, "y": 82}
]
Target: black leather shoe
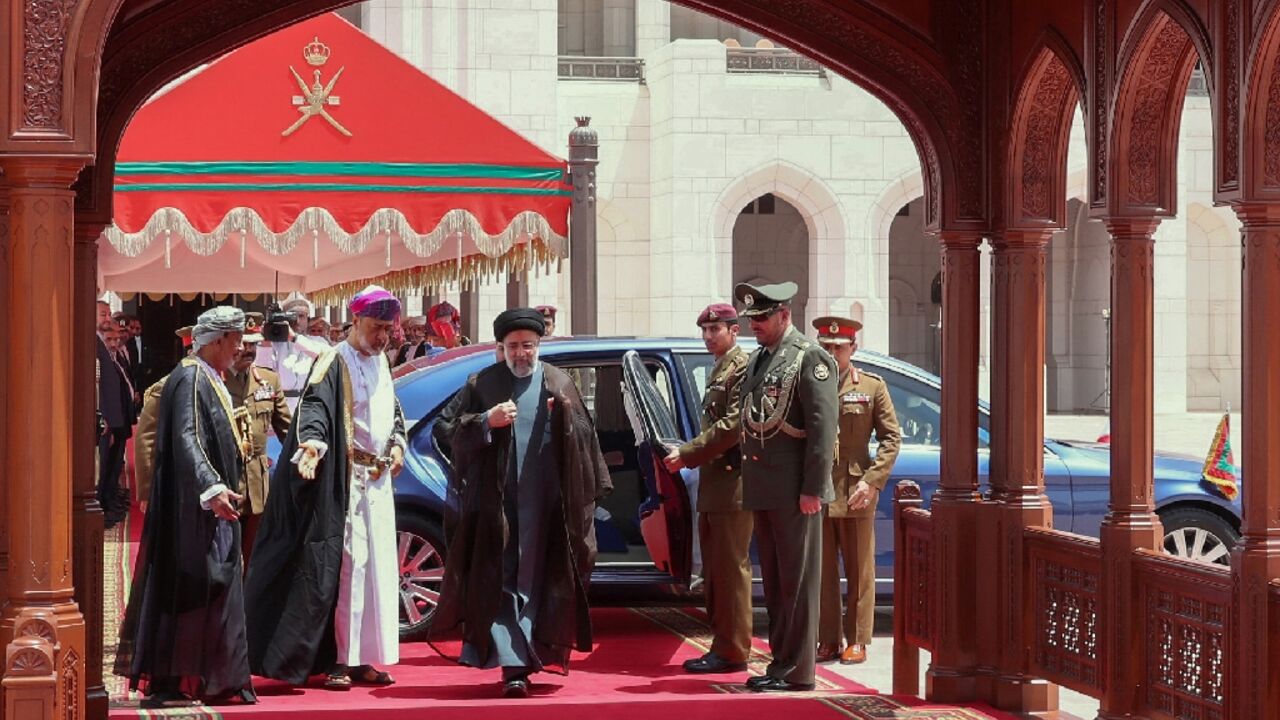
[
  {"x": 712, "y": 663},
  {"x": 518, "y": 688},
  {"x": 773, "y": 684},
  {"x": 757, "y": 681}
]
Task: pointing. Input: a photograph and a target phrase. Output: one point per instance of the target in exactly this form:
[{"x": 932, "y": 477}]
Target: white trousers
[{"x": 367, "y": 620}]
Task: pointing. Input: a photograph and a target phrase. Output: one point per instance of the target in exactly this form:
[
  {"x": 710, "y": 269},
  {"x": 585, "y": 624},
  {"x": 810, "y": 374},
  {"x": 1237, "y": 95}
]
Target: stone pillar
[
  {"x": 955, "y": 504},
  {"x": 42, "y": 627},
  {"x": 86, "y": 524},
  {"x": 1017, "y": 461},
  {"x": 518, "y": 290},
  {"x": 1131, "y": 522},
  {"x": 653, "y": 25},
  {"x": 469, "y": 309},
  {"x": 1256, "y": 560},
  {"x": 584, "y": 147}
]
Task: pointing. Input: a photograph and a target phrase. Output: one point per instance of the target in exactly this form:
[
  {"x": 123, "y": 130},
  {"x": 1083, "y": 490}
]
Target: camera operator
[{"x": 288, "y": 351}]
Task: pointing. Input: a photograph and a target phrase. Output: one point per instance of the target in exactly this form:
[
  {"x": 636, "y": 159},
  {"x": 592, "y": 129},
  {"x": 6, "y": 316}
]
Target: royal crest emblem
[
  {"x": 315, "y": 100},
  {"x": 749, "y": 299},
  {"x": 820, "y": 372},
  {"x": 834, "y": 329}
]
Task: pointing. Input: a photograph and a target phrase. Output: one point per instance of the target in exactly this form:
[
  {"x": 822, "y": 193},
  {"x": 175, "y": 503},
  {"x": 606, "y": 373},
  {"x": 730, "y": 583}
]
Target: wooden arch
[
  {"x": 1154, "y": 67},
  {"x": 1261, "y": 141},
  {"x": 1040, "y": 133}
]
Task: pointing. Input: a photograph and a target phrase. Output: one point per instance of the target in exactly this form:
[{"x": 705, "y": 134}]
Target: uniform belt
[
  {"x": 292, "y": 393},
  {"x": 378, "y": 462}
]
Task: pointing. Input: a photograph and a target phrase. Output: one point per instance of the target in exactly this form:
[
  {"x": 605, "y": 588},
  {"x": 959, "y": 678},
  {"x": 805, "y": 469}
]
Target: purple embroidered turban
[{"x": 375, "y": 302}]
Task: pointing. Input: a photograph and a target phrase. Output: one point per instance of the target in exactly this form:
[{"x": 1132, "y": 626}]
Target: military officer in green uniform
[
  {"x": 789, "y": 417},
  {"x": 724, "y": 528},
  {"x": 848, "y": 530},
  {"x": 260, "y": 408}
]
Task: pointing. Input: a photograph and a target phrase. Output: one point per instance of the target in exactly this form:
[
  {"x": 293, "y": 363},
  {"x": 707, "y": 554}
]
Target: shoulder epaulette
[
  {"x": 320, "y": 367},
  {"x": 870, "y": 374}
]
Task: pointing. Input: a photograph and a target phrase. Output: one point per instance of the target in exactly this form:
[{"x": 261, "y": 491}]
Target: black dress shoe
[
  {"x": 757, "y": 681},
  {"x": 773, "y": 684},
  {"x": 517, "y": 688},
  {"x": 712, "y": 663}
]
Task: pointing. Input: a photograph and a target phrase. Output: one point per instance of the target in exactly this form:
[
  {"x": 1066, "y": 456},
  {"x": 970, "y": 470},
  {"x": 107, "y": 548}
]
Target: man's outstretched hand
[{"x": 309, "y": 461}]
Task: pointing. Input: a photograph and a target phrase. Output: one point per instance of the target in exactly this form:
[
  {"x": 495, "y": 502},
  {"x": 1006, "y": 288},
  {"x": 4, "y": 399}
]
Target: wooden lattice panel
[
  {"x": 1066, "y": 572},
  {"x": 1187, "y": 606}
]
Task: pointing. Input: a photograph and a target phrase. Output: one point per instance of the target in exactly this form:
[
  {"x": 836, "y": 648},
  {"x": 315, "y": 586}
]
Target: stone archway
[
  {"x": 820, "y": 211},
  {"x": 771, "y": 243}
]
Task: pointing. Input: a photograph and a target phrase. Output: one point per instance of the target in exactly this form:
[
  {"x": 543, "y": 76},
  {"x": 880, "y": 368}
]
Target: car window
[
  {"x": 697, "y": 367},
  {"x": 601, "y": 388},
  {"x": 919, "y": 410}
]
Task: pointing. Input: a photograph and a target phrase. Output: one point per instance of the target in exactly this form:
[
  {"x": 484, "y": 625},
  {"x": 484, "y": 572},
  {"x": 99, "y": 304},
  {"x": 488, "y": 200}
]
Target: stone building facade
[{"x": 725, "y": 159}]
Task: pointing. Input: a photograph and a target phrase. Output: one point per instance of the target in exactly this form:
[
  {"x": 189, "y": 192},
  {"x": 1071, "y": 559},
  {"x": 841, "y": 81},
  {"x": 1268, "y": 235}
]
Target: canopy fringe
[
  {"x": 313, "y": 221},
  {"x": 468, "y": 272}
]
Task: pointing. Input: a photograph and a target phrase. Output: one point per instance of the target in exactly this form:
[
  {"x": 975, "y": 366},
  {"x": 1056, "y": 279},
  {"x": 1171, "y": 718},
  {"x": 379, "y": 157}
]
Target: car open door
[{"x": 666, "y": 517}]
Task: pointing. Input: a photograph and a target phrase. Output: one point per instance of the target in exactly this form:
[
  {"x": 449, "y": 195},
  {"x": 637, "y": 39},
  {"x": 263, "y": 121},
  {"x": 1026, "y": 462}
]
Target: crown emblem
[
  {"x": 749, "y": 299},
  {"x": 834, "y": 329},
  {"x": 316, "y": 53}
]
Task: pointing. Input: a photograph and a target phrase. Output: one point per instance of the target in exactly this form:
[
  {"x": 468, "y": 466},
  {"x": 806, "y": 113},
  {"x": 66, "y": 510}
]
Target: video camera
[{"x": 278, "y": 324}]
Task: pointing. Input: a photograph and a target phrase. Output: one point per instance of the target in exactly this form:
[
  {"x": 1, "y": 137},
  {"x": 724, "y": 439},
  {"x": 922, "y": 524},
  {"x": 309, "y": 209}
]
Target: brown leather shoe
[
  {"x": 827, "y": 652},
  {"x": 854, "y": 654}
]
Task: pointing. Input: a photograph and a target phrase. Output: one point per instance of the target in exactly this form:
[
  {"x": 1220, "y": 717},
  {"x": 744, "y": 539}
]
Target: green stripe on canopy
[
  {"x": 338, "y": 187},
  {"x": 344, "y": 169}
]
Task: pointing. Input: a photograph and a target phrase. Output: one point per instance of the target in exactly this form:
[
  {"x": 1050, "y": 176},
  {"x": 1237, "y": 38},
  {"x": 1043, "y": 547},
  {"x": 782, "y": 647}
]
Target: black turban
[{"x": 518, "y": 319}]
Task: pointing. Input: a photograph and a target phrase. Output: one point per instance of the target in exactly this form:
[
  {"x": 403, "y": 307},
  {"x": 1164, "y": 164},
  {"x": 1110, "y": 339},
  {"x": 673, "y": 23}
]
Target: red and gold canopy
[{"x": 317, "y": 160}]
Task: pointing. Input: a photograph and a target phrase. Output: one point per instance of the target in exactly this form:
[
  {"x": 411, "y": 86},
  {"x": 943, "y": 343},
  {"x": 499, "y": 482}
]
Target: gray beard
[{"x": 521, "y": 372}]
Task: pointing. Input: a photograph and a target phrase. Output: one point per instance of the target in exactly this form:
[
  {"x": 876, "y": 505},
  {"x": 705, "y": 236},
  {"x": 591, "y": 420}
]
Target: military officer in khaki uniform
[
  {"x": 724, "y": 528},
  {"x": 849, "y": 530},
  {"x": 144, "y": 435},
  {"x": 789, "y": 417},
  {"x": 260, "y": 408}
]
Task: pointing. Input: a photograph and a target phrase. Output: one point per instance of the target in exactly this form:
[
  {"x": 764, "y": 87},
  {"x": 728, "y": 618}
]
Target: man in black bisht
[
  {"x": 184, "y": 631},
  {"x": 529, "y": 473},
  {"x": 323, "y": 582}
]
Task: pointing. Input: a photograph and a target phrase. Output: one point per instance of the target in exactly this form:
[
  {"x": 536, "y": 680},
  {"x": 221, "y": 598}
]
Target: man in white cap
[
  {"x": 323, "y": 583},
  {"x": 292, "y": 359},
  {"x": 184, "y": 626}
]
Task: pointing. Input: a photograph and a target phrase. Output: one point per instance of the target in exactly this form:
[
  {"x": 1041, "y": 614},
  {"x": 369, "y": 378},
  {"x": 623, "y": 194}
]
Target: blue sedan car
[{"x": 644, "y": 399}]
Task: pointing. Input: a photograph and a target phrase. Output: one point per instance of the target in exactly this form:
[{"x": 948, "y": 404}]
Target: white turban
[{"x": 213, "y": 324}]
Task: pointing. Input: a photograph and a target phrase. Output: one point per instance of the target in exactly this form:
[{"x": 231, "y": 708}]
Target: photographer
[{"x": 286, "y": 350}]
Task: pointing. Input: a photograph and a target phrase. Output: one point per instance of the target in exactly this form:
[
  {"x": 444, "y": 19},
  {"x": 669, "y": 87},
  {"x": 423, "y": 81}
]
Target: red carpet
[{"x": 632, "y": 672}]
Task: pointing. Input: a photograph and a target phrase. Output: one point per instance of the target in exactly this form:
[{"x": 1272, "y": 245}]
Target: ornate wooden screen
[
  {"x": 913, "y": 565},
  {"x": 1187, "y": 607},
  {"x": 1066, "y": 572}
]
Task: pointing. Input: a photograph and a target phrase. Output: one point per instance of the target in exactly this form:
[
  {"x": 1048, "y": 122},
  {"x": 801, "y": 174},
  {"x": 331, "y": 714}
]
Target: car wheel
[
  {"x": 1198, "y": 534},
  {"x": 420, "y": 555}
]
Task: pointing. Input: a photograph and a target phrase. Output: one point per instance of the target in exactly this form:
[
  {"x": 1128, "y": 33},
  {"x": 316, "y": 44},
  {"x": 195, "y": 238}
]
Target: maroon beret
[{"x": 718, "y": 312}]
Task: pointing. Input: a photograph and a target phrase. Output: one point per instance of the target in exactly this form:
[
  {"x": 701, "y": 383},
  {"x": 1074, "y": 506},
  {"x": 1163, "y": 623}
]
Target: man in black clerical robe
[
  {"x": 529, "y": 472},
  {"x": 322, "y": 591},
  {"x": 183, "y": 631}
]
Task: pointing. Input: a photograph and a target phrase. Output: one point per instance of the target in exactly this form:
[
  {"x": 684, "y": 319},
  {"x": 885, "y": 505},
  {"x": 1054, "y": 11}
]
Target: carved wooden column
[
  {"x": 955, "y": 504},
  {"x": 1256, "y": 560},
  {"x": 1131, "y": 522},
  {"x": 4, "y": 293},
  {"x": 86, "y": 528},
  {"x": 42, "y": 627},
  {"x": 1017, "y": 460}
]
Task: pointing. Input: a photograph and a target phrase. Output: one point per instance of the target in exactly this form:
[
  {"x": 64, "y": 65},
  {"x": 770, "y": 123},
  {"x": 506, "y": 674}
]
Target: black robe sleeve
[{"x": 292, "y": 585}]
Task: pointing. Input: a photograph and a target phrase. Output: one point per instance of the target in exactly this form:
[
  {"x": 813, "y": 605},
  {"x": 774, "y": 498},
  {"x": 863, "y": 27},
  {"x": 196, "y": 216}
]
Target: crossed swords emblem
[{"x": 313, "y": 100}]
